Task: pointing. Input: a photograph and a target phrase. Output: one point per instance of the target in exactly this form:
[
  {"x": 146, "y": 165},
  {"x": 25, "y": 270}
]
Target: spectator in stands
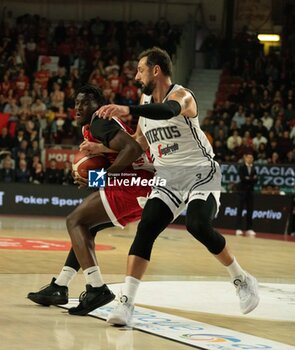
[
  {"x": 239, "y": 116},
  {"x": 130, "y": 92},
  {"x": 21, "y": 83},
  {"x": 246, "y": 147},
  {"x": 233, "y": 127},
  {"x": 285, "y": 144},
  {"x": 290, "y": 157},
  {"x": 38, "y": 108},
  {"x": 37, "y": 174},
  {"x": 276, "y": 109},
  {"x": 221, "y": 125},
  {"x": 7, "y": 172},
  {"x": 26, "y": 100},
  {"x": 234, "y": 141},
  {"x": 22, "y": 173},
  {"x": 5, "y": 84},
  {"x": 221, "y": 136},
  {"x": 278, "y": 127},
  {"x": 258, "y": 139},
  {"x": 260, "y": 128},
  {"x": 272, "y": 147},
  {"x": 220, "y": 151},
  {"x": 5, "y": 139},
  {"x": 11, "y": 108},
  {"x": 290, "y": 98},
  {"x": 289, "y": 113},
  {"x": 7, "y": 155},
  {"x": 52, "y": 173},
  {"x": 274, "y": 158},
  {"x": 248, "y": 178},
  {"x": 261, "y": 154},
  {"x": 57, "y": 97},
  {"x": 3, "y": 103},
  {"x": 96, "y": 78},
  {"x": 248, "y": 126},
  {"x": 265, "y": 103},
  {"x": 267, "y": 120},
  {"x": 45, "y": 98},
  {"x": 66, "y": 174}
]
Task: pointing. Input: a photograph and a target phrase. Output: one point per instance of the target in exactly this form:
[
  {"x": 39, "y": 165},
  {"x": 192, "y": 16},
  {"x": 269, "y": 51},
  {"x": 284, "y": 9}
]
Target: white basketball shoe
[
  {"x": 247, "y": 291},
  {"x": 122, "y": 313}
]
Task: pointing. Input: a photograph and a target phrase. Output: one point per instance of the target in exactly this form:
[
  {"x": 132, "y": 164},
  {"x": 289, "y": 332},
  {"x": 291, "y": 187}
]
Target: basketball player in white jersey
[{"x": 183, "y": 157}]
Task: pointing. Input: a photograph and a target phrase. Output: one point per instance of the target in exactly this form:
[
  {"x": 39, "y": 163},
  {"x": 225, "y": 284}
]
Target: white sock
[
  {"x": 66, "y": 275},
  {"x": 93, "y": 276},
  {"x": 130, "y": 288},
  {"x": 235, "y": 270}
]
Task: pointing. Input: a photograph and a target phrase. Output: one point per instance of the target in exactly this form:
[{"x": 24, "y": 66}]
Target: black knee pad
[
  {"x": 199, "y": 219},
  {"x": 155, "y": 218},
  {"x": 205, "y": 234}
]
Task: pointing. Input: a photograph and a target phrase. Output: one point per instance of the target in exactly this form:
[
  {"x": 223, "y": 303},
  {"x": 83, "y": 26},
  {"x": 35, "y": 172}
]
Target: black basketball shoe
[
  {"x": 91, "y": 299},
  {"x": 52, "y": 294}
]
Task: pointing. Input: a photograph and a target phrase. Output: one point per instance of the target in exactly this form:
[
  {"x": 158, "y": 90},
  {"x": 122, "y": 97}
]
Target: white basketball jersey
[{"x": 176, "y": 141}]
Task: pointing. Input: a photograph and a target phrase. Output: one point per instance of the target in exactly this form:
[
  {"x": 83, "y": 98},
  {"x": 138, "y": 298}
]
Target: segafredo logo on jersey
[
  {"x": 164, "y": 151},
  {"x": 99, "y": 178}
]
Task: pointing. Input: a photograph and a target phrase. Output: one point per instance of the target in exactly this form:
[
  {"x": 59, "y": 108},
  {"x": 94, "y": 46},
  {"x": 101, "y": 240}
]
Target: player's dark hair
[
  {"x": 92, "y": 90},
  {"x": 157, "y": 56}
]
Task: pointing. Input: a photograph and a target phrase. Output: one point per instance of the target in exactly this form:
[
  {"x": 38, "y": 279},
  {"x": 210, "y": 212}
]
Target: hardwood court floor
[{"x": 176, "y": 256}]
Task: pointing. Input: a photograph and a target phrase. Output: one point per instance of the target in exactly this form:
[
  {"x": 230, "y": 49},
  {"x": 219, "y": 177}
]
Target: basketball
[{"x": 82, "y": 163}]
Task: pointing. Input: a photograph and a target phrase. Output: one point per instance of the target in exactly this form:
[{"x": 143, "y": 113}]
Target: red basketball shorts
[{"x": 121, "y": 202}]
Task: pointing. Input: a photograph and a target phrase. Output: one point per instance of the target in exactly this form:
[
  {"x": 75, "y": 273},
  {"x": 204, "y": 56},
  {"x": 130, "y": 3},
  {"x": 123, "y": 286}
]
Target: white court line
[
  {"x": 196, "y": 334},
  {"x": 217, "y": 297},
  {"x": 277, "y": 302}
]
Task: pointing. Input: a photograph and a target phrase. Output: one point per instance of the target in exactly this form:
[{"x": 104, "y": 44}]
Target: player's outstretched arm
[
  {"x": 112, "y": 110},
  {"x": 179, "y": 102}
]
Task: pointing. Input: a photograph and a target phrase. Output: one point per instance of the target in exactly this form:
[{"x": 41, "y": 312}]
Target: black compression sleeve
[{"x": 157, "y": 111}]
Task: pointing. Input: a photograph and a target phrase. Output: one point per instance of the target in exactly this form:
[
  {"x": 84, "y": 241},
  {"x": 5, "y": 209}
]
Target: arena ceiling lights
[{"x": 269, "y": 37}]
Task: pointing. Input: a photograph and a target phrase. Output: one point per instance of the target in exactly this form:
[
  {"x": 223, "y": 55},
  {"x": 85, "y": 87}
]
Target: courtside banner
[
  {"x": 282, "y": 176},
  {"x": 48, "y": 200},
  {"x": 271, "y": 213},
  {"x": 60, "y": 155}
]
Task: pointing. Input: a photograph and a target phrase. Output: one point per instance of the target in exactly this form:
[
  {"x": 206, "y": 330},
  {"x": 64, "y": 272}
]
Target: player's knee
[
  {"x": 195, "y": 224},
  {"x": 201, "y": 228},
  {"x": 72, "y": 220},
  {"x": 144, "y": 240}
]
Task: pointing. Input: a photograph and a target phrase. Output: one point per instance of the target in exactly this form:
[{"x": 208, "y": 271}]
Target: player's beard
[{"x": 149, "y": 88}]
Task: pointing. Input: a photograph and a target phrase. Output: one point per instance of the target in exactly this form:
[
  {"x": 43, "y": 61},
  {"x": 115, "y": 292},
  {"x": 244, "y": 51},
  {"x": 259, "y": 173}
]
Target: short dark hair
[
  {"x": 157, "y": 56},
  {"x": 94, "y": 91}
]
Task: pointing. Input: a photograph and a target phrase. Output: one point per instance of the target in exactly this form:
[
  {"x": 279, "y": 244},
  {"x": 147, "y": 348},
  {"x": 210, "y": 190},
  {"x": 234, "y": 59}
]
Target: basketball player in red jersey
[{"x": 107, "y": 207}]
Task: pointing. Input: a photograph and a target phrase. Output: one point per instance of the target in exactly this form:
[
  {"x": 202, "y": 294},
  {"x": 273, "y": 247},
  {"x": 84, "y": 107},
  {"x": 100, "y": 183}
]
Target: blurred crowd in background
[{"x": 254, "y": 109}]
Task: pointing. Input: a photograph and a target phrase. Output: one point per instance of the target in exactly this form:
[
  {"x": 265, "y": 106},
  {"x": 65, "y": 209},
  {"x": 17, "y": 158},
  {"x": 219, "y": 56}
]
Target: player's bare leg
[{"x": 88, "y": 214}]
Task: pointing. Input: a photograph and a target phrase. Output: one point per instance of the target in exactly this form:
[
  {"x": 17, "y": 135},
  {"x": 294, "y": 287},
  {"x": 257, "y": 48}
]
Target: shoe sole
[
  {"x": 252, "y": 306},
  {"x": 47, "y": 301},
  {"x": 85, "y": 311},
  {"x": 116, "y": 321}
]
